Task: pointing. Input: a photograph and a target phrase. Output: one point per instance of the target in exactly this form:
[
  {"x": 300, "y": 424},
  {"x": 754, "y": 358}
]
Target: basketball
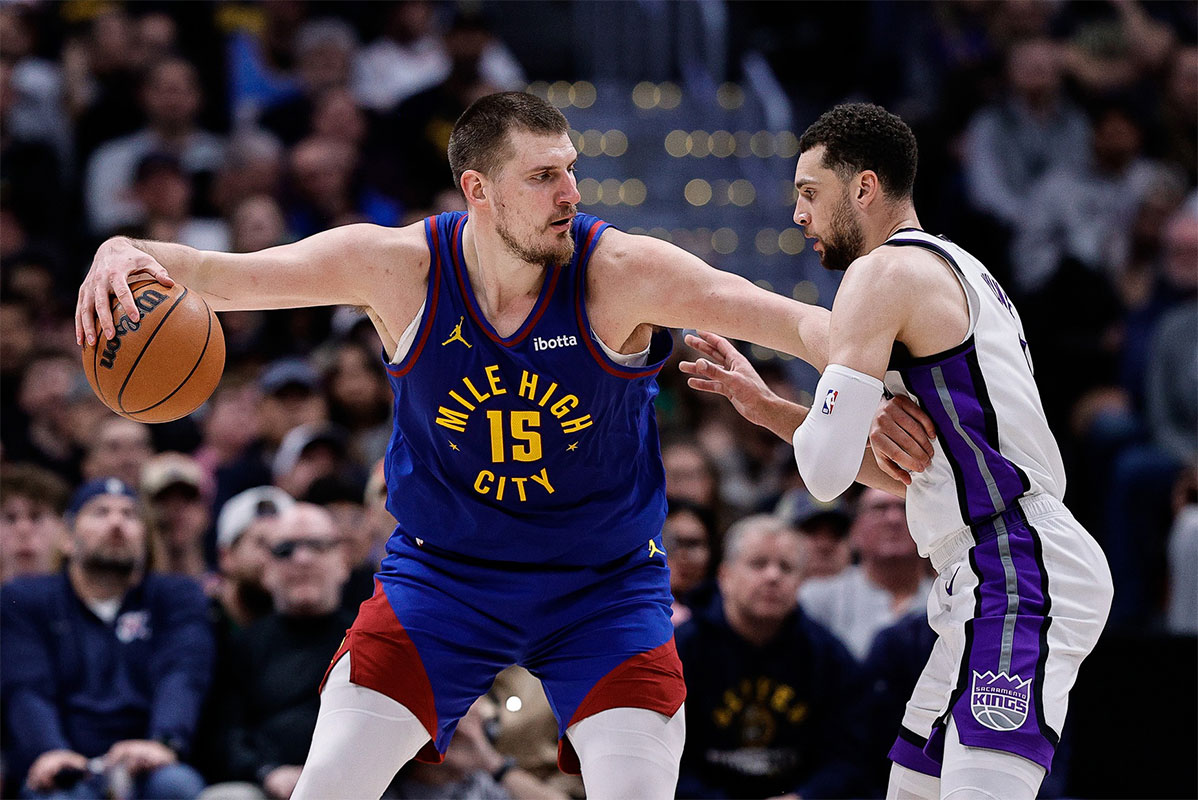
[{"x": 165, "y": 365}]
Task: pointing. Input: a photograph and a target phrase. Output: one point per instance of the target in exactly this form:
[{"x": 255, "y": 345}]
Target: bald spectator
[
  {"x": 270, "y": 679},
  {"x": 890, "y": 579},
  {"x": 107, "y": 660},
  {"x": 119, "y": 448},
  {"x": 170, "y": 95},
  {"x": 771, "y": 695},
  {"x": 32, "y": 529}
]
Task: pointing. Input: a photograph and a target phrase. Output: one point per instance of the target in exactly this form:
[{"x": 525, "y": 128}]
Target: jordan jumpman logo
[
  {"x": 654, "y": 549},
  {"x": 457, "y": 334}
]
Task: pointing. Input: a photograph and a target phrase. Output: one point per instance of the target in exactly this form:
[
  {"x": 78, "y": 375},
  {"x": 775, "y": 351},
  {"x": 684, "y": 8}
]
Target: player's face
[
  {"x": 109, "y": 535},
  {"x": 825, "y": 212},
  {"x": 536, "y": 198}
]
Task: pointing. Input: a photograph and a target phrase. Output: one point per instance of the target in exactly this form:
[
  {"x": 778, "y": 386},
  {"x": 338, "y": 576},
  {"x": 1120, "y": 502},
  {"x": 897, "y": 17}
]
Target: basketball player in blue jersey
[
  {"x": 521, "y": 340},
  {"x": 1024, "y": 590}
]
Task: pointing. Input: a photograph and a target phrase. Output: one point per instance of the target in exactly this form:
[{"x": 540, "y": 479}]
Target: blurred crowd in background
[{"x": 1058, "y": 142}]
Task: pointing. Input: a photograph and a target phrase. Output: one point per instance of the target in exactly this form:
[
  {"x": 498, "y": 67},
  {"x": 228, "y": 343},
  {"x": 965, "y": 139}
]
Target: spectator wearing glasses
[
  {"x": 689, "y": 538},
  {"x": 268, "y": 687}
]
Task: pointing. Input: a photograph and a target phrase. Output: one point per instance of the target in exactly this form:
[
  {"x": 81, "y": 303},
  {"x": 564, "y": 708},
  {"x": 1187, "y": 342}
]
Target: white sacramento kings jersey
[{"x": 992, "y": 441}]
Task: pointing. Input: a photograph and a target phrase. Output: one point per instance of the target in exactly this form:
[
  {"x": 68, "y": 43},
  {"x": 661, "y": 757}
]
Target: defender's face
[
  {"x": 825, "y": 212},
  {"x": 536, "y": 197}
]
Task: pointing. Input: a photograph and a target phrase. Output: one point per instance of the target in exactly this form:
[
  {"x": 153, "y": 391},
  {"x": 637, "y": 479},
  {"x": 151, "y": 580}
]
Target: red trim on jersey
[
  {"x": 431, "y": 311},
  {"x": 651, "y": 680},
  {"x": 468, "y": 296},
  {"x": 383, "y": 658}
]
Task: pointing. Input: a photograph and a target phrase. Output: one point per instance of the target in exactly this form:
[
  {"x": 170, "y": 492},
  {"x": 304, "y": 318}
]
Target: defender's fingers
[
  {"x": 909, "y": 434},
  {"x": 891, "y": 469},
  {"x": 917, "y": 413}
]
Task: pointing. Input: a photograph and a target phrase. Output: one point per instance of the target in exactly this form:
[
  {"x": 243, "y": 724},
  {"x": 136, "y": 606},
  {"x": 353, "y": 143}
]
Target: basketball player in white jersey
[{"x": 1023, "y": 590}]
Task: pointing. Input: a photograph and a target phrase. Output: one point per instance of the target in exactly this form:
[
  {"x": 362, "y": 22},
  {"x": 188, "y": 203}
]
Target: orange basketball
[{"x": 165, "y": 365}]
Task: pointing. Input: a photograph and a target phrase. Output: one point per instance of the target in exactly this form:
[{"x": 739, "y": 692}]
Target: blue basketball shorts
[{"x": 441, "y": 626}]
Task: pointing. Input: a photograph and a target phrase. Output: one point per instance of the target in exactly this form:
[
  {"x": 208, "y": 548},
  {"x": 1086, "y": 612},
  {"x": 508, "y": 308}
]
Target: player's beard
[
  {"x": 546, "y": 255},
  {"x": 845, "y": 241}
]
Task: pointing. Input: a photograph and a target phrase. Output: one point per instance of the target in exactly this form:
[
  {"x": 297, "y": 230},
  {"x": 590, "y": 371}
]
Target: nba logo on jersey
[
  {"x": 830, "y": 401},
  {"x": 1000, "y": 702}
]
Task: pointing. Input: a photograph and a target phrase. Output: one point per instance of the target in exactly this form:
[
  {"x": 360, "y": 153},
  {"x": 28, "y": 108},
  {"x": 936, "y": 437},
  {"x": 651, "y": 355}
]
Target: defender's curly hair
[{"x": 861, "y": 136}]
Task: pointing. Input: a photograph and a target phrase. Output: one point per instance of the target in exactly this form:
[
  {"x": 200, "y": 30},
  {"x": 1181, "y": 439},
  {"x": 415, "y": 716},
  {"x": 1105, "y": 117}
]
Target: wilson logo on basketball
[{"x": 147, "y": 301}]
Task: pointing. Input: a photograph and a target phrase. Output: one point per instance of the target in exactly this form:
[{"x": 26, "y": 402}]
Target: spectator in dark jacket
[
  {"x": 104, "y": 661},
  {"x": 269, "y": 684},
  {"x": 772, "y": 697}
]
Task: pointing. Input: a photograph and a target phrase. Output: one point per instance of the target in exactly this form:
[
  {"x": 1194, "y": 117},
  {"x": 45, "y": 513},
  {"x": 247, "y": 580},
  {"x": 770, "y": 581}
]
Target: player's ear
[
  {"x": 867, "y": 187},
  {"x": 474, "y": 187}
]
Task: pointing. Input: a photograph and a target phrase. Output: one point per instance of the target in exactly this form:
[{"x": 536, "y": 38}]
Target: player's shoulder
[{"x": 892, "y": 271}]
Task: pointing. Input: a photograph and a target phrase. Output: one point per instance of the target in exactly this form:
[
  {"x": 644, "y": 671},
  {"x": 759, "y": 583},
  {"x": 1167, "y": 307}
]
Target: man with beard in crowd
[{"x": 103, "y": 666}]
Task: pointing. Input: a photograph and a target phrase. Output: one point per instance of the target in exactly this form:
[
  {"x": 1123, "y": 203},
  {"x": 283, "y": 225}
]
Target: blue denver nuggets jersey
[{"x": 536, "y": 447}]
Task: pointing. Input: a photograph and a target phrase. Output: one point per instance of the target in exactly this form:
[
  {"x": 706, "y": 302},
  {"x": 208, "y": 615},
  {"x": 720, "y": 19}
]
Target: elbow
[{"x": 825, "y": 474}]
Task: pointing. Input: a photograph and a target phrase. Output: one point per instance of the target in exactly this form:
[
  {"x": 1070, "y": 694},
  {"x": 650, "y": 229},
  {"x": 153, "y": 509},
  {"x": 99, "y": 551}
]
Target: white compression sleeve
[
  {"x": 362, "y": 738},
  {"x": 629, "y": 752},
  {"x": 830, "y": 443}
]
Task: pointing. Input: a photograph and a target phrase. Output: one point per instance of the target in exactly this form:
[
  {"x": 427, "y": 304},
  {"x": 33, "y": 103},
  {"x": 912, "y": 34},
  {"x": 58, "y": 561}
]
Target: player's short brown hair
[
  {"x": 480, "y": 136},
  {"x": 861, "y": 136}
]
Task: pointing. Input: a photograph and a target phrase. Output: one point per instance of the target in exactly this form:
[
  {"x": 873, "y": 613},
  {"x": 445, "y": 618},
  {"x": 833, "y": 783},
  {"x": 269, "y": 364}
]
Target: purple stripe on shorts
[{"x": 911, "y": 755}]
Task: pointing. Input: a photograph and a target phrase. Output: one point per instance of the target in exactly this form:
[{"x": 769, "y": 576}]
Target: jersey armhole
[{"x": 416, "y": 334}]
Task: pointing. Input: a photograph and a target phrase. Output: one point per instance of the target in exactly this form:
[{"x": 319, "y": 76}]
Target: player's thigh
[{"x": 973, "y": 773}]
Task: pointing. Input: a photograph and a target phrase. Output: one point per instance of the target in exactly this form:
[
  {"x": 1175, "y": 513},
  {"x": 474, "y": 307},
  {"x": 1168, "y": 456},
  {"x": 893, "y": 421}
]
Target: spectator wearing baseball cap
[
  {"x": 823, "y": 532},
  {"x": 105, "y": 659},
  {"x": 889, "y": 580},
  {"x": 177, "y": 491},
  {"x": 243, "y": 530},
  {"x": 292, "y": 395}
]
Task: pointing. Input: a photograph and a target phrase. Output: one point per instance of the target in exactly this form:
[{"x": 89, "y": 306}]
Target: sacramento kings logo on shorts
[{"x": 1000, "y": 702}]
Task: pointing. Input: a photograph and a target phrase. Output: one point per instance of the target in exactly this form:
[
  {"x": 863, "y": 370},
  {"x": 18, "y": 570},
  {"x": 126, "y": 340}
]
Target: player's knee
[{"x": 629, "y": 752}]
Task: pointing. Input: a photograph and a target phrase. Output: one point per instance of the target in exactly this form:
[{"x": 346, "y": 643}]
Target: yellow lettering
[
  {"x": 520, "y": 487},
  {"x": 782, "y": 697},
  {"x": 499, "y": 490},
  {"x": 548, "y": 393},
  {"x": 528, "y": 385},
  {"x": 763, "y": 688},
  {"x": 496, "y": 420},
  {"x": 564, "y": 406},
  {"x": 521, "y": 422},
  {"x": 460, "y": 399},
  {"x": 577, "y": 424},
  {"x": 493, "y": 381},
  {"x": 452, "y": 419},
  {"x": 723, "y": 718},
  {"x": 733, "y": 702},
  {"x": 473, "y": 391},
  {"x": 797, "y": 713},
  {"x": 478, "y": 482},
  {"x": 542, "y": 478}
]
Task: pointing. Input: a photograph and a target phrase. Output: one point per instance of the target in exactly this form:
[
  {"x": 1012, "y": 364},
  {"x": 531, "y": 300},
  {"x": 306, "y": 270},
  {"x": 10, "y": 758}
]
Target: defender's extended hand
[
  {"x": 115, "y": 262},
  {"x": 901, "y": 438},
  {"x": 723, "y": 370}
]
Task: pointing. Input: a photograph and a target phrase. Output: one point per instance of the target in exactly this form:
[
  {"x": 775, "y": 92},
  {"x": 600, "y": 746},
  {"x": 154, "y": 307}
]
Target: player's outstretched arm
[
  {"x": 648, "y": 281},
  {"x": 352, "y": 265},
  {"x": 899, "y": 442}
]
